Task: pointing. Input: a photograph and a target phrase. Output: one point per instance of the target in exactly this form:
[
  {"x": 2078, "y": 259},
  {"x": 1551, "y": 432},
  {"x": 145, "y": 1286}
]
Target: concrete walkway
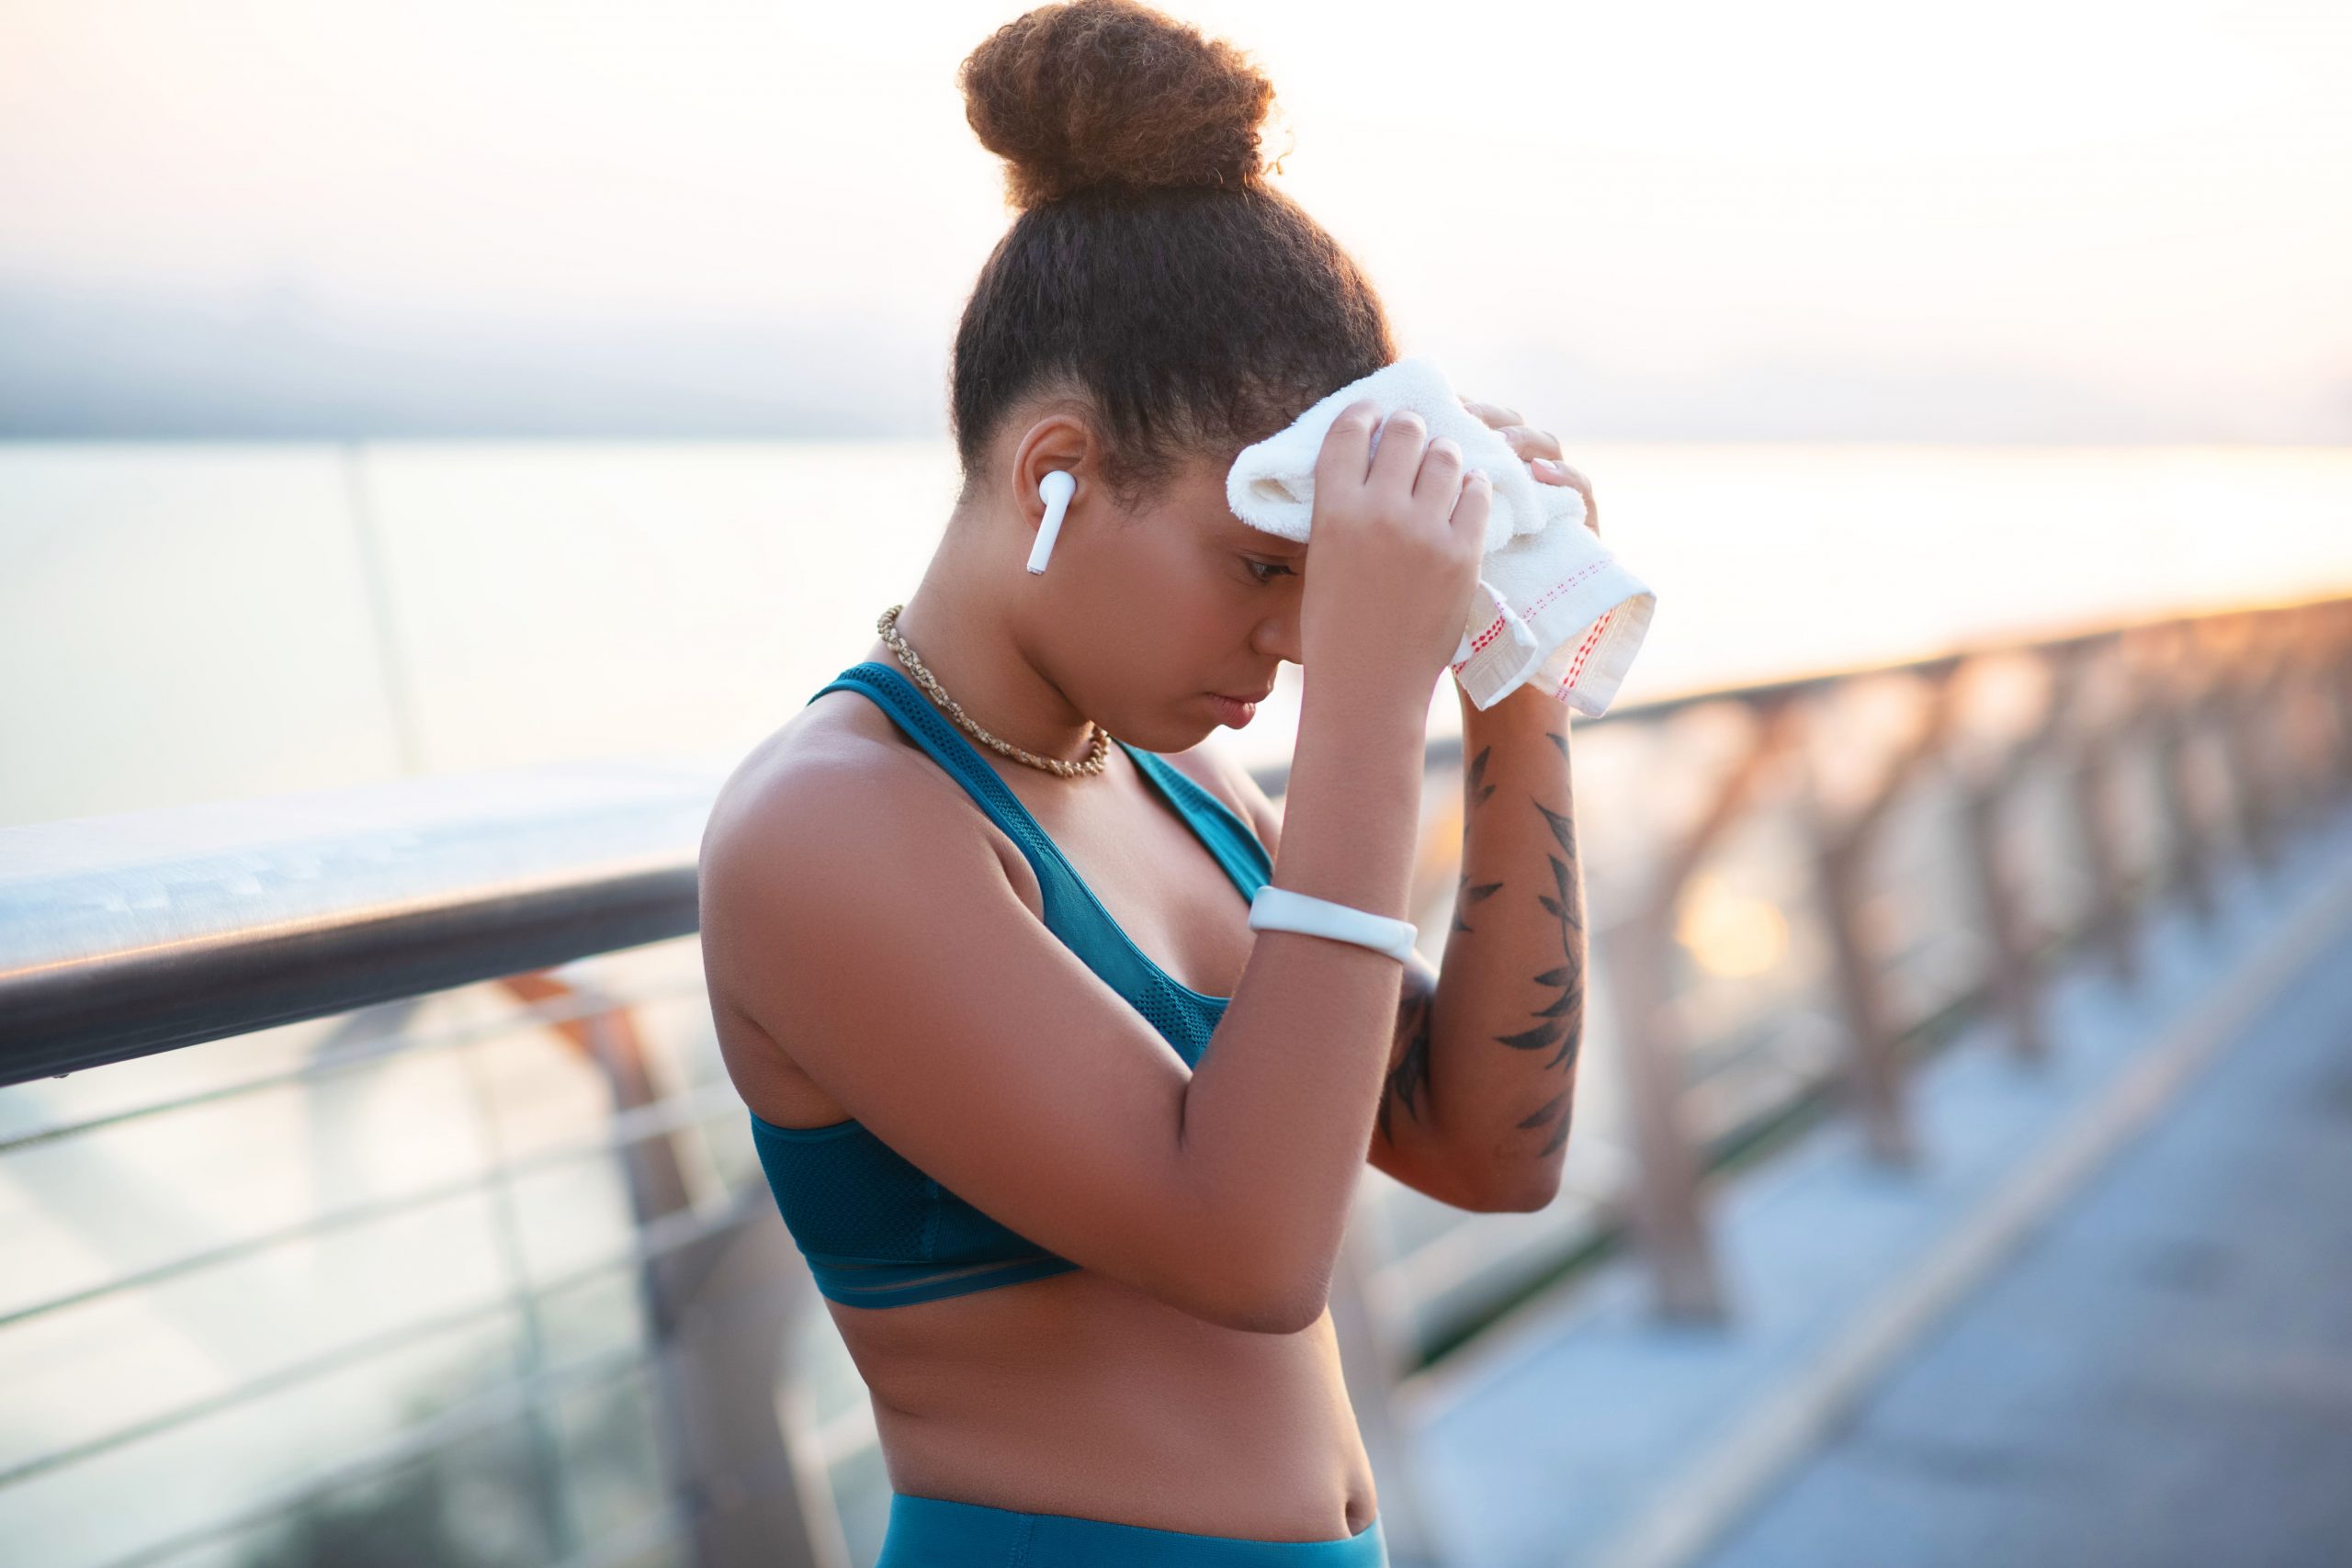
[
  {"x": 2108, "y": 1320},
  {"x": 2162, "y": 1375}
]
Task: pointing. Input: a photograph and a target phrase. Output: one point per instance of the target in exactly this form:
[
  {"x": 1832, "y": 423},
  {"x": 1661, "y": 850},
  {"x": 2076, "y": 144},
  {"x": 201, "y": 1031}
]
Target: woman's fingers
[
  {"x": 1468, "y": 517},
  {"x": 1441, "y": 475},
  {"x": 1419, "y": 466},
  {"x": 1551, "y": 468},
  {"x": 1529, "y": 442},
  {"x": 1346, "y": 453},
  {"x": 1561, "y": 474},
  {"x": 1398, "y": 458}
]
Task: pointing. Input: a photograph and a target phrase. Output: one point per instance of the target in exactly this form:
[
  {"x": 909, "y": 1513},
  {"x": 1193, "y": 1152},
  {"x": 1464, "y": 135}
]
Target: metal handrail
[{"x": 125, "y": 935}]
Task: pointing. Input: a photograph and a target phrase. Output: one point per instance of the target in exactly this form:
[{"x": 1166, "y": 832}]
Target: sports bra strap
[
  {"x": 1234, "y": 844},
  {"x": 930, "y": 730}
]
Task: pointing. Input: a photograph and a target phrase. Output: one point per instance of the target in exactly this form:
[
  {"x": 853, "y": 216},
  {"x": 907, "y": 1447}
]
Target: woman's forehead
[{"x": 1259, "y": 539}]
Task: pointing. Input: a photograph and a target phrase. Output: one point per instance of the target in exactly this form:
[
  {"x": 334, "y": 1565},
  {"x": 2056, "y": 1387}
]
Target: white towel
[{"x": 1552, "y": 606}]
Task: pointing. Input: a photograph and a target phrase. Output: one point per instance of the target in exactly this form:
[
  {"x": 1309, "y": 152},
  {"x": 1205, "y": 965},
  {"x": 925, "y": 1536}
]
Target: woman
[{"x": 1069, "y": 1146}]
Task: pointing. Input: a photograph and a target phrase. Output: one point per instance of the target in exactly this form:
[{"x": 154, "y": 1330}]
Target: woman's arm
[
  {"x": 1485, "y": 1061},
  {"x": 1480, "y": 1078},
  {"x": 1475, "y": 1111},
  {"x": 1480, "y": 1088},
  {"x": 1484, "y": 1082}
]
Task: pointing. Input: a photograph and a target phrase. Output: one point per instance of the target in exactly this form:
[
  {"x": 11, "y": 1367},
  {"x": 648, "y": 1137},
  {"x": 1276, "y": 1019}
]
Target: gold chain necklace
[{"x": 1096, "y": 754}]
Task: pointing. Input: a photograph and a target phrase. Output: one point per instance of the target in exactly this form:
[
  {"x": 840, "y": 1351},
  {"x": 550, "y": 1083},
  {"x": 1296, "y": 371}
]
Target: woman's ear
[{"x": 1057, "y": 443}]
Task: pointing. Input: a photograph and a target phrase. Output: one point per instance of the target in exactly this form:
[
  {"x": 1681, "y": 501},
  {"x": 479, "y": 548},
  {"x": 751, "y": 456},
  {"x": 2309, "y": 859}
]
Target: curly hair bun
[{"x": 1111, "y": 93}]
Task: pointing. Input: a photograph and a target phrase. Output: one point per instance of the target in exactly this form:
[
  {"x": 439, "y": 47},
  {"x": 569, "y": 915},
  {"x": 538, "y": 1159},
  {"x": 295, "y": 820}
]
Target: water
[{"x": 183, "y": 621}]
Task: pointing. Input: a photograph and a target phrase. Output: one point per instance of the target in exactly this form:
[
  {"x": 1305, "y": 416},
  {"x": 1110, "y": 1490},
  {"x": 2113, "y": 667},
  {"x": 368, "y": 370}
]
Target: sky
[{"x": 2063, "y": 221}]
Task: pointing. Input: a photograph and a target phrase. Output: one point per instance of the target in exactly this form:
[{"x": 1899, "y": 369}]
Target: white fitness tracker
[{"x": 1280, "y": 910}]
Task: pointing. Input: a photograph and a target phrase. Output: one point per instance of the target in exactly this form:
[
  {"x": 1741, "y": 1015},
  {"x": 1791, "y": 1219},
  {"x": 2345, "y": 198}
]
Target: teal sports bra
[{"x": 875, "y": 1230}]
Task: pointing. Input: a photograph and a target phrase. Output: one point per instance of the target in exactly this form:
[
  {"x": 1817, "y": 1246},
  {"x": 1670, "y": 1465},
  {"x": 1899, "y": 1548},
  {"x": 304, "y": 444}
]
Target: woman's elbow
[
  {"x": 1522, "y": 1186},
  {"x": 1288, "y": 1305},
  {"x": 1533, "y": 1191},
  {"x": 1258, "y": 1301},
  {"x": 1279, "y": 1315}
]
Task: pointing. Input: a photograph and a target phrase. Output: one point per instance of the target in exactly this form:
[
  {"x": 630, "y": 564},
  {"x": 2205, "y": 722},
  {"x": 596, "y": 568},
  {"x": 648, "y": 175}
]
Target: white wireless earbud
[{"x": 1055, "y": 491}]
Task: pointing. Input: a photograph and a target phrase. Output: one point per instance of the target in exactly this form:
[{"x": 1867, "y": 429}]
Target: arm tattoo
[
  {"x": 1468, "y": 896},
  {"x": 1408, "y": 1080},
  {"x": 1474, "y": 786},
  {"x": 1561, "y": 1023},
  {"x": 1410, "y": 1076},
  {"x": 1476, "y": 789}
]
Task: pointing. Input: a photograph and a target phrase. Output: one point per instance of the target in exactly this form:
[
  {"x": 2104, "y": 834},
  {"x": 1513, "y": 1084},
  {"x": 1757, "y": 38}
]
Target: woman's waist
[
  {"x": 1264, "y": 1472},
  {"x": 1104, "y": 1404}
]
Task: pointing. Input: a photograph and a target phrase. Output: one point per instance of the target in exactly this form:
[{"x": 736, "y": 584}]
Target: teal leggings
[{"x": 932, "y": 1532}]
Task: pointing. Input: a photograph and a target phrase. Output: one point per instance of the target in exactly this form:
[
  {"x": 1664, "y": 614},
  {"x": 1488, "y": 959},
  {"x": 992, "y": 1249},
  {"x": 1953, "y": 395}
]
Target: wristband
[{"x": 1280, "y": 910}]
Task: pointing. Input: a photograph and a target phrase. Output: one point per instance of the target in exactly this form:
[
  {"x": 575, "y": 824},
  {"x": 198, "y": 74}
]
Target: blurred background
[{"x": 504, "y": 414}]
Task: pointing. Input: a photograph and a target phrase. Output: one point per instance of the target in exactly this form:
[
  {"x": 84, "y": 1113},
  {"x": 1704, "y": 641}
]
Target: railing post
[
  {"x": 2249, "y": 764},
  {"x": 2323, "y": 646},
  {"x": 2094, "y": 816},
  {"x": 2014, "y": 977},
  {"x": 1667, "y": 1215},
  {"x": 2336, "y": 670},
  {"x": 1667, "y": 1205},
  {"x": 2015, "y": 961},
  {"x": 1873, "y": 1075},
  {"x": 1841, "y": 854},
  {"x": 2177, "y": 703},
  {"x": 2282, "y": 688}
]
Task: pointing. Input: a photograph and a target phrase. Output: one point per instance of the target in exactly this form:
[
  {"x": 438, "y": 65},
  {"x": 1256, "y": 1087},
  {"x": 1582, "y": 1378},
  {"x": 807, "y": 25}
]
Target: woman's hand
[
  {"x": 1540, "y": 450},
  {"x": 1396, "y": 536}
]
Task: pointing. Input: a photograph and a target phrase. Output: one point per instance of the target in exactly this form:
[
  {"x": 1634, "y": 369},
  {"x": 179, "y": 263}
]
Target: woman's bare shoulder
[
  {"x": 839, "y": 778},
  {"x": 839, "y": 768},
  {"x": 839, "y": 745}
]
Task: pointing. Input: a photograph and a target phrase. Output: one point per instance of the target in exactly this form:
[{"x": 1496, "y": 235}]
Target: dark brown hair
[{"x": 1151, "y": 271}]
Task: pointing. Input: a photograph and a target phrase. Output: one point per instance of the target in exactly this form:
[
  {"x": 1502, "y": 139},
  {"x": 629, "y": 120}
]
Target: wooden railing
[{"x": 2265, "y": 696}]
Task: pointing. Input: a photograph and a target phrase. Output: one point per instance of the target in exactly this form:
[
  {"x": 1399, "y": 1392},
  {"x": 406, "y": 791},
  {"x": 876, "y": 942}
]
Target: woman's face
[{"x": 1152, "y": 609}]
